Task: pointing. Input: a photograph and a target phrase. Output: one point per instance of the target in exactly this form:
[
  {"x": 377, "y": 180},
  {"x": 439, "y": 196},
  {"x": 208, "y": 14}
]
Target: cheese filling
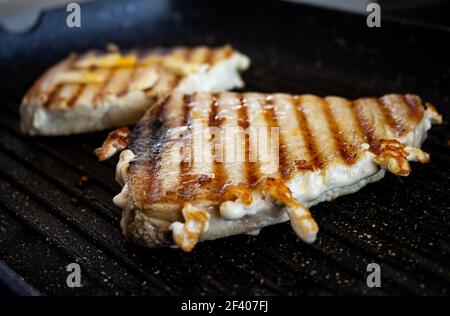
[
  {"x": 107, "y": 61},
  {"x": 187, "y": 234},
  {"x": 123, "y": 165}
]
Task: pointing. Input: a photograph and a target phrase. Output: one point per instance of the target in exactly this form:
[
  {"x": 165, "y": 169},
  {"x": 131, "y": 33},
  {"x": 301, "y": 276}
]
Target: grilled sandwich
[
  {"x": 101, "y": 90},
  {"x": 263, "y": 159}
]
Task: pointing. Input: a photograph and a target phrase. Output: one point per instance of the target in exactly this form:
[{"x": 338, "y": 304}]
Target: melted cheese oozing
[
  {"x": 121, "y": 199},
  {"x": 187, "y": 234},
  {"x": 314, "y": 187},
  {"x": 79, "y": 77},
  {"x": 233, "y": 210},
  {"x": 106, "y": 61},
  {"x": 123, "y": 165}
]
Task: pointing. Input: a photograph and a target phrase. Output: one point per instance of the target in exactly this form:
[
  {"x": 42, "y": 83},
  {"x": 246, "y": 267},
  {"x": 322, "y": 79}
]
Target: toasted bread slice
[
  {"x": 180, "y": 187},
  {"x": 97, "y": 91}
]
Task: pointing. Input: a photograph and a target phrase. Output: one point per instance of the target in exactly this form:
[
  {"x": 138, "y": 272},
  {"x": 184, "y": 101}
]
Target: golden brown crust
[
  {"x": 40, "y": 90},
  {"x": 186, "y": 235},
  {"x": 116, "y": 141},
  {"x": 101, "y": 90},
  {"x": 116, "y": 73},
  {"x": 394, "y": 157},
  {"x": 300, "y": 217},
  {"x": 330, "y": 147},
  {"x": 332, "y": 131}
]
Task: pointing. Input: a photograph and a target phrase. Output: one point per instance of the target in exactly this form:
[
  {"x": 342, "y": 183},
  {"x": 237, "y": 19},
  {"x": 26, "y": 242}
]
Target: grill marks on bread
[
  {"x": 170, "y": 65},
  {"x": 314, "y": 133}
]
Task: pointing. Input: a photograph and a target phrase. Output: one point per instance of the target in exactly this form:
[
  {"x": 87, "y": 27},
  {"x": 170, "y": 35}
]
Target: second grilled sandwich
[{"x": 97, "y": 91}]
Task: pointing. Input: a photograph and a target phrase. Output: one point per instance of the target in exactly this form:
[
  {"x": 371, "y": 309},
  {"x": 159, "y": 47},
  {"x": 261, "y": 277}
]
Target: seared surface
[
  {"x": 115, "y": 75},
  {"x": 314, "y": 133}
]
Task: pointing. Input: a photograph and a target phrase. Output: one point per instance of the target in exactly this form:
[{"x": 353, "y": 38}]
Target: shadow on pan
[{"x": 50, "y": 218}]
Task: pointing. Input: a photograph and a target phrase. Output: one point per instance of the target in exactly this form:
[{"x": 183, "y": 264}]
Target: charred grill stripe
[
  {"x": 208, "y": 58},
  {"x": 132, "y": 76},
  {"x": 415, "y": 106},
  {"x": 37, "y": 89},
  {"x": 175, "y": 82},
  {"x": 172, "y": 83},
  {"x": 356, "y": 118},
  {"x": 187, "y": 189},
  {"x": 126, "y": 87},
  {"x": 218, "y": 167},
  {"x": 159, "y": 130},
  {"x": 269, "y": 113},
  {"x": 187, "y": 54},
  {"x": 157, "y": 141},
  {"x": 102, "y": 90},
  {"x": 53, "y": 95},
  {"x": 306, "y": 132},
  {"x": 251, "y": 168},
  {"x": 187, "y": 101},
  {"x": 345, "y": 149},
  {"x": 54, "y": 92},
  {"x": 153, "y": 89},
  {"x": 367, "y": 128},
  {"x": 144, "y": 143},
  {"x": 390, "y": 117},
  {"x": 74, "y": 98},
  {"x": 142, "y": 133}
]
